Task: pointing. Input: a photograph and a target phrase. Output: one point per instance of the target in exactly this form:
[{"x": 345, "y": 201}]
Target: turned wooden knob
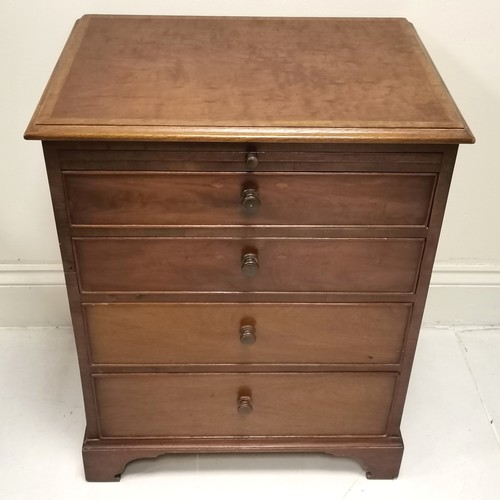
[
  {"x": 250, "y": 264},
  {"x": 250, "y": 201},
  {"x": 247, "y": 334},
  {"x": 252, "y": 161},
  {"x": 245, "y": 405}
]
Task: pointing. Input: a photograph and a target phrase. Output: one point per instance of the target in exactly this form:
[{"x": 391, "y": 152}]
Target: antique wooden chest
[{"x": 248, "y": 211}]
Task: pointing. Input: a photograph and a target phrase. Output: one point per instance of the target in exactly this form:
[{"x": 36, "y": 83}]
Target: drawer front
[
  {"x": 156, "y": 334},
  {"x": 233, "y": 157},
  {"x": 169, "y": 404},
  {"x": 172, "y": 199},
  {"x": 260, "y": 264}
]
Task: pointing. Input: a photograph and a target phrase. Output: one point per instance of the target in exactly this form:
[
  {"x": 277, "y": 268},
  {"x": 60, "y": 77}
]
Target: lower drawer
[
  {"x": 266, "y": 404},
  {"x": 172, "y": 333}
]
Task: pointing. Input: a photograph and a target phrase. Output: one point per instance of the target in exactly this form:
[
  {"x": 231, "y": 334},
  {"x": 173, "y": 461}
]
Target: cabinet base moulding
[{"x": 105, "y": 460}]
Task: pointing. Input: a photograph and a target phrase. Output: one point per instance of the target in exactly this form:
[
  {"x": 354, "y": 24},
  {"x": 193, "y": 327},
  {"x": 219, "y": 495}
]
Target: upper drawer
[
  {"x": 196, "y": 199},
  {"x": 248, "y": 265}
]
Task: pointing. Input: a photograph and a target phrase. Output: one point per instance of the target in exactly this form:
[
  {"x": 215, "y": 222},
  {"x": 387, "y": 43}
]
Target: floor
[{"x": 451, "y": 429}]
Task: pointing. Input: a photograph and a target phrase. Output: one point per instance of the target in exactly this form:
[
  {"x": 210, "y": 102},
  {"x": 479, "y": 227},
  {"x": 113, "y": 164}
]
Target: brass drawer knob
[
  {"x": 252, "y": 161},
  {"x": 245, "y": 405},
  {"x": 250, "y": 201},
  {"x": 247, "y": 334},
  {"x": 250, "y": 264}
]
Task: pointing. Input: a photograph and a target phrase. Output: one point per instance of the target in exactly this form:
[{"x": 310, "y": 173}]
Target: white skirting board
[{"x": 33, "y": 294}]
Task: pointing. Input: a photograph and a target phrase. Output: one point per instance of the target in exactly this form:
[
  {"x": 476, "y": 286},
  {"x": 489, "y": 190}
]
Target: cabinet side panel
[
  {"x": 50, "y": 150},
  {"x": 435, "y": 223}
]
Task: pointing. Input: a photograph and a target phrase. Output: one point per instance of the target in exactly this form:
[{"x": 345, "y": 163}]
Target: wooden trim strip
[{"x": 240, "y": 134}]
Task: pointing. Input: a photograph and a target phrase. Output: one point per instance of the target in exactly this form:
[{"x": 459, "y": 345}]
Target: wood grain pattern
[
  {"x": 162, "y": 334},
  {"x": 164, "y": 78},
  {"x": 160, "y": 199},
  {"x": 214, "y": 264},
  {"x": 156, "y": 405}
]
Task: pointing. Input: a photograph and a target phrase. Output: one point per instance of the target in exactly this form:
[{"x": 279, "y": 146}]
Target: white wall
[{"x": 462, "y": 38}]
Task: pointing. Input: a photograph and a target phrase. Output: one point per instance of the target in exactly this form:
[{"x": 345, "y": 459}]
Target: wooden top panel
[{"x": 236, "y": 79}]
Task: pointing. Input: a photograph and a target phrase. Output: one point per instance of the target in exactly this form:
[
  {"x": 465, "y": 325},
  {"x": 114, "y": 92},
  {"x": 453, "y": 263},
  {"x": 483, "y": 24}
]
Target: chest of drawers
[{"x": 248, "y": 212}]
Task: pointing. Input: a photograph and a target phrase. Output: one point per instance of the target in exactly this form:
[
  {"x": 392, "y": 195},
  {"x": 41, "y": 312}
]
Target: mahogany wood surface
[
  {"x": 158, "y": 199},
  {"x": 198, "y": 157},
  {"x": 214, "y": 264},
  {"x": 106, "y": 459},
  {"x": 152, "y": 128},
  {"x": 435, "y": 223},
  {"x": 158, "y": 334},
  {"x": 284, "y": 404},
  {"x": 202, "y": 78}
]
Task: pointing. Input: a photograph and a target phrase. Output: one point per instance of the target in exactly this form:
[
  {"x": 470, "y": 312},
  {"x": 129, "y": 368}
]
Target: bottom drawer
[{"x": 245, "y": 404}]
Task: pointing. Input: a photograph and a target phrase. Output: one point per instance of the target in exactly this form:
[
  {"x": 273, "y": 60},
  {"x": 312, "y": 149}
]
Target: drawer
[
  {"x": 238, "y": 265},
  {"x": 117, "y": 156},
  {"x": 247, "y": 404},
  {"x": 193, "y": 199},
  {"x": 171, "y": 333}
]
